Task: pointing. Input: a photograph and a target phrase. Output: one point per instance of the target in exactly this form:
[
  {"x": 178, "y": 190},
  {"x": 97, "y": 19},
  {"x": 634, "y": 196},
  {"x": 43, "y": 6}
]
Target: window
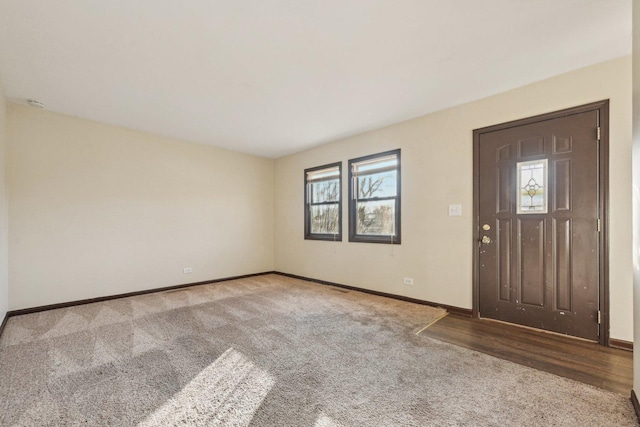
[
  {"x": 323, "y": 196},
  {"x": 374, "y": 198},
  {"x": 532, "y": 187}
]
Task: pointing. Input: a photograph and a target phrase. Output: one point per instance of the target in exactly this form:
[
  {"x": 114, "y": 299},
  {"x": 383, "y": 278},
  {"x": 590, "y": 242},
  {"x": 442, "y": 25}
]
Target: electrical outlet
[
  {"x": 408, "y": 281},
  {"x": 455, "y": 210},
  {"x": 187, "y": 270}
]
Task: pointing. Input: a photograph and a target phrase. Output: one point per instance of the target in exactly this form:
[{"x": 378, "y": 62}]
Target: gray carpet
[{"x": 271, "y": 351}]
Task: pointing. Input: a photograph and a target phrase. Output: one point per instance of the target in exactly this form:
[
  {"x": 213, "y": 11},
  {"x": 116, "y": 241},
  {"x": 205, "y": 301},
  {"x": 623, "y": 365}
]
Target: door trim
[{"x": 602, "y": 107}]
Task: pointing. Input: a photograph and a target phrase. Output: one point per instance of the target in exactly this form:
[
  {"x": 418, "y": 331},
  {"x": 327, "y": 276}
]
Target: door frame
[{"x": 603, "y": 203}]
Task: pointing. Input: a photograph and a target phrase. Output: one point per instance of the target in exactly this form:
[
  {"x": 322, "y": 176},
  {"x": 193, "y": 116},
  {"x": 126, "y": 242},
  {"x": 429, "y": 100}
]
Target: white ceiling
[{"x": 272, "y": 77}]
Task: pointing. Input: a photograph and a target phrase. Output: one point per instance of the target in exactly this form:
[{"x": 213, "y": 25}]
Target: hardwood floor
[{"x": 580, "y": 360}]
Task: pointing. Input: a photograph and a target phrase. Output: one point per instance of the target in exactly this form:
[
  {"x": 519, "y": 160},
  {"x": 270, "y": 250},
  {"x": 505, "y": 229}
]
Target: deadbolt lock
[
  {"x": 486, "y": 227},
  {"x": 486, "y": 240}
]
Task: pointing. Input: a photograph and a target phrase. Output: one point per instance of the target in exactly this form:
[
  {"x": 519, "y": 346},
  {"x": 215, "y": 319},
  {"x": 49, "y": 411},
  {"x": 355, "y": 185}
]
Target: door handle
[{"x": 486, "y": 240}]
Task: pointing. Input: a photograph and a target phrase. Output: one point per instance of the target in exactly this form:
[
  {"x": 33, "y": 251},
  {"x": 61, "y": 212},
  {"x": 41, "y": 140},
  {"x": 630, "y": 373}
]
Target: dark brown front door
[{"x": 539, "y": 258}]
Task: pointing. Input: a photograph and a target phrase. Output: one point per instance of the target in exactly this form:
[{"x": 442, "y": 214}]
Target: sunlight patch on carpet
[
  {"x": 324, "y": 421},
  {"x": 228, "y": 391}
]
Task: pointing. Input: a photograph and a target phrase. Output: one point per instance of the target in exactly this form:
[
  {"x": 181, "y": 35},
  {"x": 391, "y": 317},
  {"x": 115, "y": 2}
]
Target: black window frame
[
  {"x": 308, "y": 235},
  {"x": 369, "y": 238}
]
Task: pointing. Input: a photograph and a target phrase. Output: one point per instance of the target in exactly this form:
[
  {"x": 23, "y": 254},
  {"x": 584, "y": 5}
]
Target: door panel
[
  {"x": 503, "y": 243},
  {"x": 562, "y": 185},
  {"x": 531, "y": 249},
  {"x": 531, "y": 148},
  {"x": 504, "y": 189},
  {"x": 562, "y": 267},
  {"x": 538, "y": 210}
]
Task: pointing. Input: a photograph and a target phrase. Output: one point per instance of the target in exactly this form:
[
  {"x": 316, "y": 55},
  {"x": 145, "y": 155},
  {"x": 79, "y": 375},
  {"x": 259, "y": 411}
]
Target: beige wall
[
  {"x": 99, "y": 210},
  {"x": 4, "y": 242},
  {"x": 437, "y": 153},
  {"x": 636, "y": 192}
]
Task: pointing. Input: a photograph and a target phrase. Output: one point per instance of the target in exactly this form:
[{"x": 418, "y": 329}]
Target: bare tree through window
[
  {"x": 370, "y": 221},
  {"x": 323, "y": 189},
  {"x": 375, "y": 201},
  {"x": 324, "y": 218}
]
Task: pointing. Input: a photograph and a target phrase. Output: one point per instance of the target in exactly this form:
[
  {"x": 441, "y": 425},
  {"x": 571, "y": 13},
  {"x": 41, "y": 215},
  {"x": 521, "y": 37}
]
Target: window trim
[
  {"x": 308, "y": 235},
  {"x": 361, "y": 238}
]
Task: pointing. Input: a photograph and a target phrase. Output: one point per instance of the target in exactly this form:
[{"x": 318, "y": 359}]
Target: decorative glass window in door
[{"x": 532, "y": 187}]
